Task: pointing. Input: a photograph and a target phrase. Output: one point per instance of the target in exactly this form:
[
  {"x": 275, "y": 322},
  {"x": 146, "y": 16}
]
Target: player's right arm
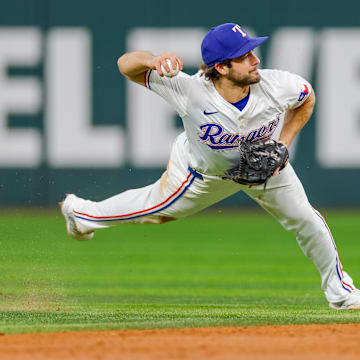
[{"x": 134, "y": 65}]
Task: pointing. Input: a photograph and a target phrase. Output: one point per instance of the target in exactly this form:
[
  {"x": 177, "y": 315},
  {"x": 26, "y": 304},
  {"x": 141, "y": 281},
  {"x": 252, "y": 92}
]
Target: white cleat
[
  {"x": 71, "y": 227},
  {"x": 352, "y": 302}
]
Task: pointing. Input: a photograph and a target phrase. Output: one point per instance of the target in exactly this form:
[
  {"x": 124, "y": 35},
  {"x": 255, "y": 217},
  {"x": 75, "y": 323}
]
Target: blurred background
[{"x": 69, "y": 122}]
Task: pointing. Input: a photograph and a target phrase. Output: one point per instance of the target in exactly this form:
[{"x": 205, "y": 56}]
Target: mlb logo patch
[{"x": 303, "y": 93}]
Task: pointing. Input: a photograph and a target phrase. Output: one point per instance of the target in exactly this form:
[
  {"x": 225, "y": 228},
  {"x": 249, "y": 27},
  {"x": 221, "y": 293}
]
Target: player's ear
[{"x": 222, "y": 68}]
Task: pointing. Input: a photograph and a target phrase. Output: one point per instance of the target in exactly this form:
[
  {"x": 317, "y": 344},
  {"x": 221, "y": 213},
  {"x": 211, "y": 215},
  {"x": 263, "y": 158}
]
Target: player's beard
[{"x": 243, "y": 80}]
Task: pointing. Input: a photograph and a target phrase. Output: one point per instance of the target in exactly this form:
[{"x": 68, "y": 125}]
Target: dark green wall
[{"x": 109, "y": 21}]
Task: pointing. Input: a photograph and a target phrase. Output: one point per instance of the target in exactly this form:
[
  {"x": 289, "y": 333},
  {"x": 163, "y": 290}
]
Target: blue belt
[{"x": 196, "y": 174}]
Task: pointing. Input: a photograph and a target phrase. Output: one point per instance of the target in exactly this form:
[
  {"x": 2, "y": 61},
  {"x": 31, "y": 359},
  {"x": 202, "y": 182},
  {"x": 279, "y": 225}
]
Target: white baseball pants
[{"x": 182, "y": 191}]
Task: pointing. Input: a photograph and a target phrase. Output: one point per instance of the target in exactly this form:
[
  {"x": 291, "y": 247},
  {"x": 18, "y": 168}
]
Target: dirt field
[{"x": 265, "y": 342}]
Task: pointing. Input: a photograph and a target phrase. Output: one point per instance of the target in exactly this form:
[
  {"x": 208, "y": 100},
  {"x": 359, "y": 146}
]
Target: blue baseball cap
[{"x": 227, "y": 41}]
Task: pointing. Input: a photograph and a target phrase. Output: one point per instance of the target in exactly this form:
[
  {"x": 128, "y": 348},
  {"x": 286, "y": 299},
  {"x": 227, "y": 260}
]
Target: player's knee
[
  {"x": 165, "y": 219},
  {"x": 155, "y": 219}
]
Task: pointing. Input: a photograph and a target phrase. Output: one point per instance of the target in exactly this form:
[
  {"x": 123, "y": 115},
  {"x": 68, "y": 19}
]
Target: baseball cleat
[
  {"x": 71, "y": 226},
  {"x": 351, "y": 303}
]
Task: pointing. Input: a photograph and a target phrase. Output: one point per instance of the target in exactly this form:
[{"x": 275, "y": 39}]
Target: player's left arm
[{"x": 295, "y": 119}]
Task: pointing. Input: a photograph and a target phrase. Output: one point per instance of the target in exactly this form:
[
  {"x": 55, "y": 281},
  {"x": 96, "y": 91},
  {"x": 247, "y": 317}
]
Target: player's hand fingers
[
  {"x": 158, "y": 69},
  {"x": 179, "y": 61},
  {"x": 161, "y": 62},
  {"x": 155, "y": 64},
  {"x": 176, "y": 62},
  {"x": 165, "y": 64}
]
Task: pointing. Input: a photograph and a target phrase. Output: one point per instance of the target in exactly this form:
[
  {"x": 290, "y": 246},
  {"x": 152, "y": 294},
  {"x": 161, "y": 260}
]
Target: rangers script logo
[{"x": 215, "y": 138}]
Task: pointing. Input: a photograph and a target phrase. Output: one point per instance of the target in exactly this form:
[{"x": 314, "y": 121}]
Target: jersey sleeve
[
  {"x": 174, "y": 90},
  {"x": 292, "y": 89}
]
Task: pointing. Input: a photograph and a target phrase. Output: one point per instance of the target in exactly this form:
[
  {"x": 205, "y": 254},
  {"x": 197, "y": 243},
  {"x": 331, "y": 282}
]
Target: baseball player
[{"x": 229, "y": 101}]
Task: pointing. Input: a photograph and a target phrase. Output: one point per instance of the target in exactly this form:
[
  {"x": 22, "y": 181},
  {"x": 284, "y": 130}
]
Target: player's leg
[
  {"x": 285, "y": 199},
  {"x": 180, "y": 192}
]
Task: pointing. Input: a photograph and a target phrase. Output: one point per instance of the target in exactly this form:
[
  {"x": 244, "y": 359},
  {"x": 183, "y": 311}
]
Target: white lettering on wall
[
  {"x": 19, "y": 147},
  {"x": 338, "y": 133},
  {"x": 72, "y": 141}
]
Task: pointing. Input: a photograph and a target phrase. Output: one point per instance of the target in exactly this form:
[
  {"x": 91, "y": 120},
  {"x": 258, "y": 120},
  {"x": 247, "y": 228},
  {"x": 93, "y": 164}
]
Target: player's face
[{"x": 244, "y": 70}]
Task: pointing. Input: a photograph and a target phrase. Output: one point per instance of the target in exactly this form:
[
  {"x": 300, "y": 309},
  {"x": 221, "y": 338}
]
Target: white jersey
[{"x": 214, "y": 127}]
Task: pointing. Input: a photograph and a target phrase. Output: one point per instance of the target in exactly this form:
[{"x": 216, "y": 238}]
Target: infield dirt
[{"x": 263, "y": 342}]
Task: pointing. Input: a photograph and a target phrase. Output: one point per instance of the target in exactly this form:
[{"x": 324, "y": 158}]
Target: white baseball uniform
[{"x": 208, "y": 147}]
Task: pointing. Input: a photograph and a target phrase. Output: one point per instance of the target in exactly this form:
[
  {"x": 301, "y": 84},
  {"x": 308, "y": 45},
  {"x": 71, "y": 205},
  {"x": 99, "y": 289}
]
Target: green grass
[{"x": 230, "y": 268}]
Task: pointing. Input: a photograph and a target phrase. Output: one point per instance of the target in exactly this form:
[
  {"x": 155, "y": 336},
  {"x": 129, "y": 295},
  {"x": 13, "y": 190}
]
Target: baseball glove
[{"x": 258, "y": 162}]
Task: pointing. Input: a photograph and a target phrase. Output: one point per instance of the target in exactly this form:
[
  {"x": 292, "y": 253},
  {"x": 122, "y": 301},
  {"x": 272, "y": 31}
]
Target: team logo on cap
[{"x": 238, "y": 29}]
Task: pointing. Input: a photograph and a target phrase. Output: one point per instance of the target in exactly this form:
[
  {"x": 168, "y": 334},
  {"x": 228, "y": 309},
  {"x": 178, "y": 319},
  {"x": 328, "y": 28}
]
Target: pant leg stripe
[
  {"x": 157, "y": 208},
  {"x": 343, "y": 284},
  {"x": 327, "y": 227},
  {"x": 339, "y": 271},
  {"x": 349, "y": 286}
]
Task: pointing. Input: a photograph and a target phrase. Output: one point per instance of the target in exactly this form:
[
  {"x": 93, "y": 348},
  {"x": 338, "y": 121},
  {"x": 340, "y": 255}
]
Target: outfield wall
[{"x": 70, "y": 123}]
